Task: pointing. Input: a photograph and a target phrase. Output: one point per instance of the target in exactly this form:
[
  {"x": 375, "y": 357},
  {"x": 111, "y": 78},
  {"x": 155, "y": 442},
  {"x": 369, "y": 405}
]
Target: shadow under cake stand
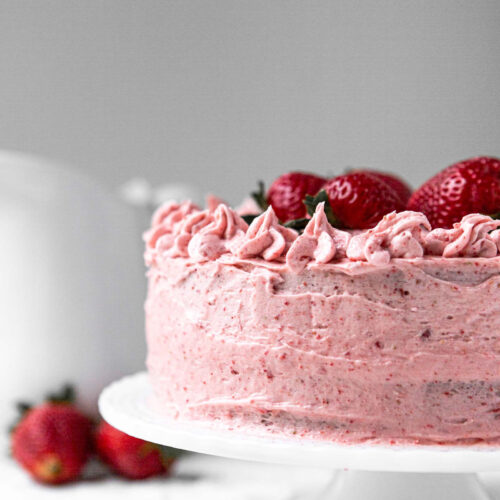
[{"x": 368, "y": 472}]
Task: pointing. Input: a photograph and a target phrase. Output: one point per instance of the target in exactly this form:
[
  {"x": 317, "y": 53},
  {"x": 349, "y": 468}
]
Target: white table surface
[{"x": 195, "y": 477}]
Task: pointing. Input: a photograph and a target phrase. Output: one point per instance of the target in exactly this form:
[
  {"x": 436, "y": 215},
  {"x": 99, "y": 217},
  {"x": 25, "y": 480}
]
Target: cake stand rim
[{"x": 123, "y": 404}]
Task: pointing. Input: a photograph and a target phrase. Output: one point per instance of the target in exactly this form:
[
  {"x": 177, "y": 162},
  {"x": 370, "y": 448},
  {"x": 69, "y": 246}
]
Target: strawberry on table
[
  {"x": 52, "y": 442},
  {"x": 470, "y": 186},
  {"x": 358, "y": 200},
  {"x": 287, "y": 193},
  {"x": 131, "y": 457}
]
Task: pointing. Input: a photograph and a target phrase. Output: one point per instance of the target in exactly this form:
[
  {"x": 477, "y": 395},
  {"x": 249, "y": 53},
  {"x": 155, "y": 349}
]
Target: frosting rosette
[
  {"x": 476, "y": 235},
  {"x": 222, "y": 231},
  {"x": 400, "y": 235},
  {"x": 266, "y": 238},
  {"x": 184, "y": 230},
  {"x": 165, "y": 225},
  {"x": 320, "y": 242}
]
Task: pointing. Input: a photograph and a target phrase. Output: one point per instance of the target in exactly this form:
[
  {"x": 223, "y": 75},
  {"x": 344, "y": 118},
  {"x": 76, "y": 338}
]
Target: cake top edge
[{"x": 219, "y": 232}]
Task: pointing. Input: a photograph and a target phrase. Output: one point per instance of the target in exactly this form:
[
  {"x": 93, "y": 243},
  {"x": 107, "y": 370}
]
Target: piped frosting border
[{"x": 183, "y": 230}]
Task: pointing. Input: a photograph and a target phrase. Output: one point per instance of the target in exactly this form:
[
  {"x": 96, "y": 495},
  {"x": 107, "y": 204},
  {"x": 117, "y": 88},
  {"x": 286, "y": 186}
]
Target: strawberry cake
[{"x": 342, "y": 309}]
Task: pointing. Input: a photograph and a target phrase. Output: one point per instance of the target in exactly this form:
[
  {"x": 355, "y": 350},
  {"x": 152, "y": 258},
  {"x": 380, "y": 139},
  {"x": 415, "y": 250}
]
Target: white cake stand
[{"x": 368, "y": 472}]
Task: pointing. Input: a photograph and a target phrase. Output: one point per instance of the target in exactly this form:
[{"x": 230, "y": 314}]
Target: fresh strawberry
[
  {"x": 397, "y": 184},
  {"x": 128, "y": 456},
  {"x": 358, "y": 200},
  {"x": 52, "y": 442},
  {"x": 470, "y": 186},
  {"x": 287, "y": 194}
]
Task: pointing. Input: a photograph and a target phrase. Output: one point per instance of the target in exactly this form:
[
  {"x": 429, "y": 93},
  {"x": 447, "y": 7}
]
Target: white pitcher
[{"x": 71, "y": 284}]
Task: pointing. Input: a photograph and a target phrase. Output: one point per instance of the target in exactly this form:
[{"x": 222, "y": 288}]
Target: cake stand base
[{"x": 366, "y": 472}]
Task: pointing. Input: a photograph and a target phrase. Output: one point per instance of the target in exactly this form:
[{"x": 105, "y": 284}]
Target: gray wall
[{"x": 224, "y": 92}]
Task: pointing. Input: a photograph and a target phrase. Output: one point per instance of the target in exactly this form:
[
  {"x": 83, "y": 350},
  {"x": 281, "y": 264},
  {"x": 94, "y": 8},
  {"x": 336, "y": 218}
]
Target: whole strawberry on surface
[
  {"x": 52, "y": 442},
  {"x": 470, "y": 186},
  {"x": 359, "y": 199},
  {"x": 131, "y": 457},
  {"x": 288, "y": 192}
]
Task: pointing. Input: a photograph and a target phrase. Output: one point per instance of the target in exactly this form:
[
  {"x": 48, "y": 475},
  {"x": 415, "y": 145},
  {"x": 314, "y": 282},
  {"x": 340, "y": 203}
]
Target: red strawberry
[
  {"x": 397, "y": 184},
  {"x": 129, "y": 456},
  {"x": 360, "y": 199},
  {"x": 52, "y": 442},
  {"x": 470, "y": 186},
  {"x": 287, "y": 194}
]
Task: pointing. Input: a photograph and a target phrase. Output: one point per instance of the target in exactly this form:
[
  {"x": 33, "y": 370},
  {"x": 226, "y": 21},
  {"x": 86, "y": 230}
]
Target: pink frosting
[
  {"x": 171, "y": 214},
  {"x": 183, "y": 230},
  {"x": 165, "y": 225},
  {"x": 376, "y": 350},
  {"x": 223, "y": 233},
  {"x": 471, "y": 237},
  {"x": 396, "y": 235},
  {"x": 266, "y": 238},
  {"x": 176, "y": 245},
  {"x": 344, "y": 352},
  {"x": 320, "y": 243}
]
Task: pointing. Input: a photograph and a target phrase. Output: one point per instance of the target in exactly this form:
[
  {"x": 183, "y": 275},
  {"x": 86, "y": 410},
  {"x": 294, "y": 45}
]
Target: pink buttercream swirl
[
  {"x": 184, "y": 230},
  {"x": 266, "y": 238},
  {"x": 473, "y": 236},
  {"x": 396, "y": 235},
  {"x": 320, "y": 242},
  {"x": 223, "y": 232},
  {"x": 165, "y": 225}
]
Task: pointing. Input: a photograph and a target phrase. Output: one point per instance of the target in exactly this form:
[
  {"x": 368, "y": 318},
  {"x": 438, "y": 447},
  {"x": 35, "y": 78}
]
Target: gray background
[{"x": 222, "y": 93}]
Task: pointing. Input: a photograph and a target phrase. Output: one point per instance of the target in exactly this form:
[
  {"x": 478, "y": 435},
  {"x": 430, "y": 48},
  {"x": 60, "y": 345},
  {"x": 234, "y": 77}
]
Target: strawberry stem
[
  {"x": 67, "y": 394},
  {"x": 260, "y": 197},
  {"x": 297, "y": 224},
  {"x": 311, "y": 202},
  {"x": 249, "y": 218},
  {"x": 23, "y": 407},
  {"x": 170, "y": 453}
]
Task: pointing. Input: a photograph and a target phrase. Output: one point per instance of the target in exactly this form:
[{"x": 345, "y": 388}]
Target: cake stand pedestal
[{"x": 364, "y": 472}]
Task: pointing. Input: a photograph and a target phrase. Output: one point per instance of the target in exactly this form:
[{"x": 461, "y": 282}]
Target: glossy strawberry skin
[
  {"x": 52, "y": 442},
  {"x": 398, "y": 185},
  {"x": 359, "y": 199},
  {"x": 287, "y": 193},
  {"x": 128, "y": 456},
  {"x": 470, "y": 186}
]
